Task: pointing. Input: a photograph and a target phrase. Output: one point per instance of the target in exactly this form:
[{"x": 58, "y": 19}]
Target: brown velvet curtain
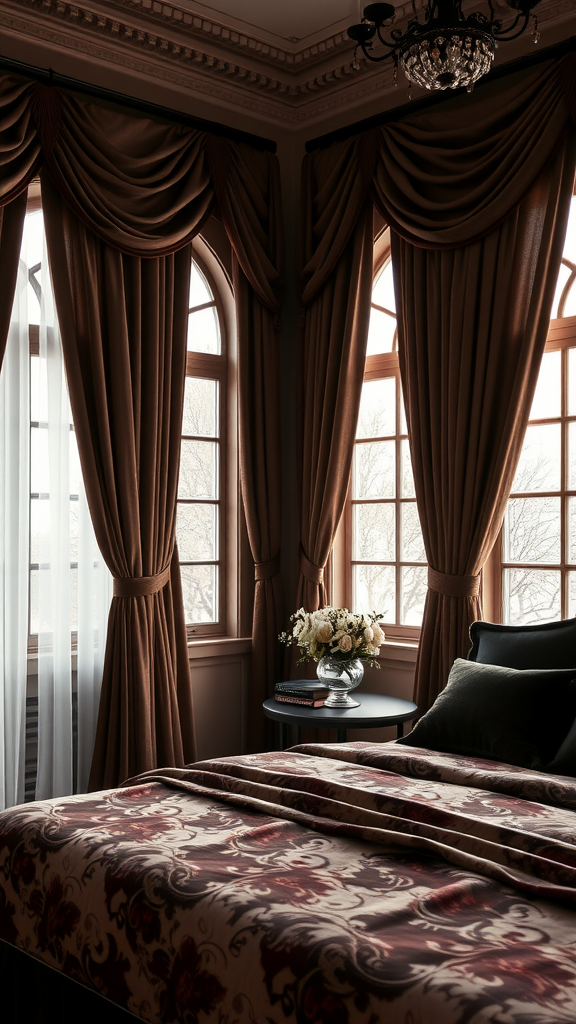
[
  {"x": 476, "y": 191},
  {"x": 248, "y": 191},
  {"x": 19, "y": 162},
  {"x": 123, "y": 321},
  {"x": 338, "y": 276},
  {"x": 124, "y": 196},
  {"x": 472, "y": 328}
]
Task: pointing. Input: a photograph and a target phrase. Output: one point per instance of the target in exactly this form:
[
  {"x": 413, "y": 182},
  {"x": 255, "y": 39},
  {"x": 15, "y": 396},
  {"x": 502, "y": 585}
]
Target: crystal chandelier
[{"x": 447, "y": 49}]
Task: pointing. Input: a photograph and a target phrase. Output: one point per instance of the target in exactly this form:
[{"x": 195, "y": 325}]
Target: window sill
[
  {"x": 216, "y": 647},
  {"x": 399, "y": 650}
]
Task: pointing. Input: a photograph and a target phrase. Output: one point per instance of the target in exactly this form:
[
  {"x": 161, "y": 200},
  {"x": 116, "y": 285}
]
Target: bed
[{"x": 350, "y": 883}]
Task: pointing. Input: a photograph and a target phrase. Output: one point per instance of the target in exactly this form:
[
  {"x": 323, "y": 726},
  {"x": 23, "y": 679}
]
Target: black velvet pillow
[
  {"x": 544, "y": 645},
  {"x": 519, "y": 717}
]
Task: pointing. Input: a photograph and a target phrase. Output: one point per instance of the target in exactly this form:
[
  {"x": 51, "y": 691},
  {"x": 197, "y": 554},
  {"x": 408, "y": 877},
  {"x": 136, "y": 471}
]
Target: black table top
[{"x": 375, "y": 710}]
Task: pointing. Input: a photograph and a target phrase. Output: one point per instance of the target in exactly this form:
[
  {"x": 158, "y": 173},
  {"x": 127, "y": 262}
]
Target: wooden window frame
[
  {"x": 561, "y": 337},
  {"x": 213, "y": 366},
  {"x": 378, "y": 366}
]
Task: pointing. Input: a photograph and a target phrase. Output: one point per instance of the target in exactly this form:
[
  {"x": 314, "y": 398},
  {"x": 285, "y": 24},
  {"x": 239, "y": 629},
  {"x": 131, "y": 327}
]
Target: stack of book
[{"x": 308, "y": 692}]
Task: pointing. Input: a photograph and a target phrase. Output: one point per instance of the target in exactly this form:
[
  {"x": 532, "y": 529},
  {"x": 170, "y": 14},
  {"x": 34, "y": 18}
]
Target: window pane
[
  {"x": 414, "y": 584},
  {"x": 374, "y": 470},
  {"x": 531, "y": 595},
  {"x": 571, "y": 595},
  {"x": 571, "y": 531},
  {"x": 199, "y": 590},
  {"x": 39, "y": 463},
  {"x": 563, "y": 276},
  {"x": 38, "y": 410},
  {"x": 198, "y": 469},
  {"x": 199, "y": 288},
  {"x": 539, "y": 465},
  {"x": 74, "y": 530},
  {"x": 200, "y": 407},
  {"x": 407, "y": 482},
  {"x": 374, "y": 590},
  {"x": 572, "y": 381},
  {"x": 532, "y": 530},
  {"x": 546, "y": 402},
  {"x": 39, "y": 528},
  {"x": 572, "y": 456},
  {"x": 377, "y": 416},
  {"x": 570, "y": 300},
  {"x": 381, "y": 331},
  {"x": 204, "y": 331},
  {"x": 383, "y": 289},
  {"x": 196, "y": 532},
  {"x": 411, "y": 542},
  {"x": 33, "y": 610},
  {"x": 374, "y": 532}
]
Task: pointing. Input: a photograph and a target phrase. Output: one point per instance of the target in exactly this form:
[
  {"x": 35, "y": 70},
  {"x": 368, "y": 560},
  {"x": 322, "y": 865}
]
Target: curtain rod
[
  {"x": 414, "y": 106},
  {"x": 50, "y": 77}
]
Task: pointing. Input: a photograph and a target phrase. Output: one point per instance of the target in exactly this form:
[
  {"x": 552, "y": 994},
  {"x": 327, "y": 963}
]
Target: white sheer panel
[
  {"x": 94, "y": 597},
  {"x": 14, "y": 539},
  {"x": 74, "y": 586},
  {"x": 55, "y": 743}
]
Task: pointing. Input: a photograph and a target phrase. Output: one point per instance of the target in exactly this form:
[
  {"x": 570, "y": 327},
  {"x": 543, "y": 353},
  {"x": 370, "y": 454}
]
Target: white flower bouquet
[{"x": 335, "y": 631}]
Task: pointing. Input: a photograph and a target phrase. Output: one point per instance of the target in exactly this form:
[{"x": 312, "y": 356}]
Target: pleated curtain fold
[
  {"x": 476, "y": 192},
  {"x": 123, "y": 198}
]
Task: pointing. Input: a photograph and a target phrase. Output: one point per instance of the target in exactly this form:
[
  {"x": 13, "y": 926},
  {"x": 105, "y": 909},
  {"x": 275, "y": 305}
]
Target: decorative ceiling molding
[{"x": 168, "y": 44}]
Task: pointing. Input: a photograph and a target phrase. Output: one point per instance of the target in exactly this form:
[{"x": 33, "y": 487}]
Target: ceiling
[
  {"x": 284, "y": 62},
  {"x": 289, "y": 21}
]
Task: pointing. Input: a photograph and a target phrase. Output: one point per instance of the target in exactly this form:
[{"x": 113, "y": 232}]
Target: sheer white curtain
[
  {"x": 70, "y": 587},
  {"x": 14, "y": 539}
]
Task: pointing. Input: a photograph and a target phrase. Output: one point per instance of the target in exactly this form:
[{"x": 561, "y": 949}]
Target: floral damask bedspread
[{"x": 329, "y": 884}]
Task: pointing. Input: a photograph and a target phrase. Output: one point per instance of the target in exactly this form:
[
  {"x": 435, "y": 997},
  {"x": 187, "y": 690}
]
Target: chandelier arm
[
  {"x": 377, "y": 60},
  {"x": 391, "y": 46},
  {"x": 503, "y": 35}
]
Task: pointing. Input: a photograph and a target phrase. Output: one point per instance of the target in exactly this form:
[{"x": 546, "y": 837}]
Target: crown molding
[{"x": 204, "y": 58}]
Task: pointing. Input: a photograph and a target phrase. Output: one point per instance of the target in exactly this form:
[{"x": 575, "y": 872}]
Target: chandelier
[{"x": 447, "y": 50}]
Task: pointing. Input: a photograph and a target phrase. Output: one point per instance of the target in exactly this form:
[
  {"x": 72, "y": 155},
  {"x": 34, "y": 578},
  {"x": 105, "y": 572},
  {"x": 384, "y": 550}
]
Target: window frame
[
  {"x": 561, "y": 337},
  {"x": 235, "y": 586},
  {"x": 377, "y": 366}
]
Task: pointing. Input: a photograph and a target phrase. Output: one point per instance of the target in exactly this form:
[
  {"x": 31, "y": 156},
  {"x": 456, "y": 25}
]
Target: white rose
[
  {"x": 345, "y": 643},
  {"x": 323, "y": 632},
  {"x": 378, "y": 635},
  {"x": 368, "y": 634}
]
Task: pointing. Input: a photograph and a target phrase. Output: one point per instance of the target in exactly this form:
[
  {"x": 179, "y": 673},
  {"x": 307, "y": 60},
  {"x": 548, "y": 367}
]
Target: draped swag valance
[
  {"x": 476, "y": 192},
  {"x": 123, "y": 197}
]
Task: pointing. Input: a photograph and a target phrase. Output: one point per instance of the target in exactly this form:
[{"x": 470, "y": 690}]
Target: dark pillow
[
  {"x": 519, "y": 717},
  {"x": 564, "y": 762},
  {"x": 544, "y": 645}
]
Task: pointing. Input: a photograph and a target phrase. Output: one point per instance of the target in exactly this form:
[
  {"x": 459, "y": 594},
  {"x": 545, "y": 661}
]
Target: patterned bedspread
[{"x": 329, "y": 884}]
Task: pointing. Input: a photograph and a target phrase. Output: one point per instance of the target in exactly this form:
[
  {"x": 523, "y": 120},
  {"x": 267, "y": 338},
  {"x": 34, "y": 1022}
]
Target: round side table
[{"x": 374, "y": 712}]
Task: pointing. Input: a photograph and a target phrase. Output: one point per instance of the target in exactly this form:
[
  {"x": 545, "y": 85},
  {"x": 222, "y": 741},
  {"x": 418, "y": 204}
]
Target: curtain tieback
[
  {"x": 453, "y": 586},
  {"x": 310, "y": 571},
  {"x": 266, "y": 570},
  {"x": 141, "y": 586}
]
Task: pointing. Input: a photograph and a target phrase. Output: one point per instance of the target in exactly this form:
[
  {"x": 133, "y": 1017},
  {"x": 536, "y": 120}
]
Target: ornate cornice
[
  {"x": 133, "y": 44},
  {"x": 169, "y": 44}
]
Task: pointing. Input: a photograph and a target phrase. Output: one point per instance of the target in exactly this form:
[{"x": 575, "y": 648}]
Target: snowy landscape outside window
[
  {"x": 199, "y": 522},
  {"x": 538, "y": 549}
]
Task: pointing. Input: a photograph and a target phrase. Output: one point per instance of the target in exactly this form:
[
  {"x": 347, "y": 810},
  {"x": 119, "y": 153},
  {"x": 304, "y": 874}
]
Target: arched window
[
  {"x": 385, "y": 567},
  {"x": 206, "y": 509},
  {"x": 531, "y": 576}
]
